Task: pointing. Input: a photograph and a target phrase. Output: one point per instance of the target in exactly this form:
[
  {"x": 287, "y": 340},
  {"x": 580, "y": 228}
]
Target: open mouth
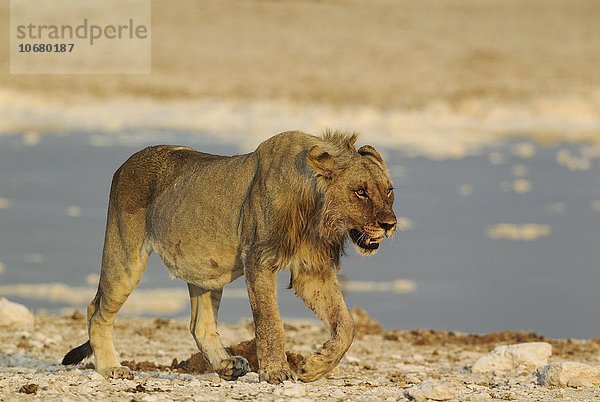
[{"x": 362, "y": 240}]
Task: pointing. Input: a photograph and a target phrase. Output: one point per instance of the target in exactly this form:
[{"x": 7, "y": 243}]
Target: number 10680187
[{"x": 46, "y": 47}]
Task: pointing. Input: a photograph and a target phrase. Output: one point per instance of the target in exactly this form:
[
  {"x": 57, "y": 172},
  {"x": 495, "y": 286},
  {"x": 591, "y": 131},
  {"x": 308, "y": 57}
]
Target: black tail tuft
[{"x": 78, "y": 354}]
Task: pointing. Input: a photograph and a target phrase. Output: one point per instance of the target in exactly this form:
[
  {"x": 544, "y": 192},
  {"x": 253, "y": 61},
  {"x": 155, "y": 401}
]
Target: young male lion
[{"x": 292, "y": 203}]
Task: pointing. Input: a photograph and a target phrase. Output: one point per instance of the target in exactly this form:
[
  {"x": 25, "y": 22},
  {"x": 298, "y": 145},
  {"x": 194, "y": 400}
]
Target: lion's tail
[{"x": 76, "y": 355}]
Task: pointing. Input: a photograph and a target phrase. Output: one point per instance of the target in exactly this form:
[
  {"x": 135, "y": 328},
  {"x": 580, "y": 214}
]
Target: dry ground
[{"x": 380, "y": 365}]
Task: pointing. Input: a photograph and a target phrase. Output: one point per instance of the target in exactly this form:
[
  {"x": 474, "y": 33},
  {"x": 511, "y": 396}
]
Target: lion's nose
[{"x": 389, "y": 225}]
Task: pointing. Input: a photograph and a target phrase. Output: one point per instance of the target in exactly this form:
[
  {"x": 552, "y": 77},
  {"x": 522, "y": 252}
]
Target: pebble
[
  {"x": 86, "y": 389},
  {"x": 291, "y": 389},
  {"x": 125, "y": 383},
  {"x": 514, "y": 358},
  {"x": 94, "y": 375},
  {"x": 569, "y": 374},
  {"x": 433, "y": 390},
  {"x": 412, "y": 379},
  {"x": 195, "y": 383},
  {"x": 251, "y": 377}
]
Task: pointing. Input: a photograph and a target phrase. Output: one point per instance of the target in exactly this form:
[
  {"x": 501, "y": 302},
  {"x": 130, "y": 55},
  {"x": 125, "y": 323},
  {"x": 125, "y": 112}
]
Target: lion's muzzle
[{"x": 388, "y": 222}]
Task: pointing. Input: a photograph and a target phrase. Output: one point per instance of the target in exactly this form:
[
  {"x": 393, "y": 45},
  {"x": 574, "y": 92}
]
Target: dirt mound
[{"x": 198, "y": 364}]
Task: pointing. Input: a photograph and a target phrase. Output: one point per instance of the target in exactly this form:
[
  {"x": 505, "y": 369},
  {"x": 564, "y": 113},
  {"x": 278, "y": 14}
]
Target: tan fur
[{"x": 290, "y": 204}]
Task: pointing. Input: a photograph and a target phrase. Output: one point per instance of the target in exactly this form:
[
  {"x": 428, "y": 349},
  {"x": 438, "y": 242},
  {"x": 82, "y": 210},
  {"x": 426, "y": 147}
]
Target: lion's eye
[
  {"x": 360, "y": 193},
  {"x": 390, "y": 192}
]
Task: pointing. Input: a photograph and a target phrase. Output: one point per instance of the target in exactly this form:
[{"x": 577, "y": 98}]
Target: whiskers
[
  {"x": 363, "y": 238},
  {"x": 402, "y": 225}
]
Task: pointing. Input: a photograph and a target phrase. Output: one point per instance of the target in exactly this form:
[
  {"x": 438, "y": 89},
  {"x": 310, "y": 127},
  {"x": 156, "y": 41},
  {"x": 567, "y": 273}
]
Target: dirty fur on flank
[{"x": 291, "y": 204}]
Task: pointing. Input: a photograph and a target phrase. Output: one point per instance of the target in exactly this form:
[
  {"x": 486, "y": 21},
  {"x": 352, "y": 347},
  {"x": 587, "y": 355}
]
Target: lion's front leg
[
  {"x": 269, "y": 332},
  {"x": 321, "y": 293}
]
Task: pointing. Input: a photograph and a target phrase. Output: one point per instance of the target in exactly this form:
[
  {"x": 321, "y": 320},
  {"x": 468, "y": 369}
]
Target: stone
[
  {"x": 412, "y": 378},
  {"x": 29, "y": 388},
  {"x": 352, "y": 359},
  {"x": 569, "y": 374},
  {"x": 433, "y": 390},
  {"x": 337, "y": 394},
  {"x": 522, "y": 357},
  {"x": 86, "y": 390},
  {"x": 95, "y": 376},
  {"x": 14, "y": 315},
  {"x": 292, "y": 389}
]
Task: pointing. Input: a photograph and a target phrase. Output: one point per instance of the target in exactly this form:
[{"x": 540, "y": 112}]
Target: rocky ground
[{"x": 381, "y": 365}]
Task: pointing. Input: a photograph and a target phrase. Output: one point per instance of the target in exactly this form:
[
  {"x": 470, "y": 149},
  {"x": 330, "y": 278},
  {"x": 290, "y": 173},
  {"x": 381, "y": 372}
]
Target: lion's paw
[
  {"x": 313, "y": 367},
  {"x": 116, "y": 372},
  {"x": 277, "y": 376},
  {"x": 233, "y": 368}
]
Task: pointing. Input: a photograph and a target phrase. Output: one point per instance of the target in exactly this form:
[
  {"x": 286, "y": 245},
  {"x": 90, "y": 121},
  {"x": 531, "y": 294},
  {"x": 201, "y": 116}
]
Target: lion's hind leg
[
  {"x": 123, "y": 262},
  {"x": 203, "y": 326}
]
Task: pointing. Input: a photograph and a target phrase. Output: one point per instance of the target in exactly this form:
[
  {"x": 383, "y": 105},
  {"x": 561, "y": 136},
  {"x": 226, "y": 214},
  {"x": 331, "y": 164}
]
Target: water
[{"x": 54, "y": 192}]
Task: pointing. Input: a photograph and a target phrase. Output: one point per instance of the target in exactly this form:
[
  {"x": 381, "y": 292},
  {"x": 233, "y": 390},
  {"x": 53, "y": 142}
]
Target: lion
[{"x": 290, "y": 204}]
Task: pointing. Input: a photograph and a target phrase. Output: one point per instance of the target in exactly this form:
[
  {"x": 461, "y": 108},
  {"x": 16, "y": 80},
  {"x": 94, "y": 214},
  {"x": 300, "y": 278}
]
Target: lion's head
[{"x": 358, "y": 192}]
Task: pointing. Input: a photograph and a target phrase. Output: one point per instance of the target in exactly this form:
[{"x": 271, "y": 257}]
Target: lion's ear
[
  {"x": 367, "y": 150},
  {"x": 321, "y": 161}
]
